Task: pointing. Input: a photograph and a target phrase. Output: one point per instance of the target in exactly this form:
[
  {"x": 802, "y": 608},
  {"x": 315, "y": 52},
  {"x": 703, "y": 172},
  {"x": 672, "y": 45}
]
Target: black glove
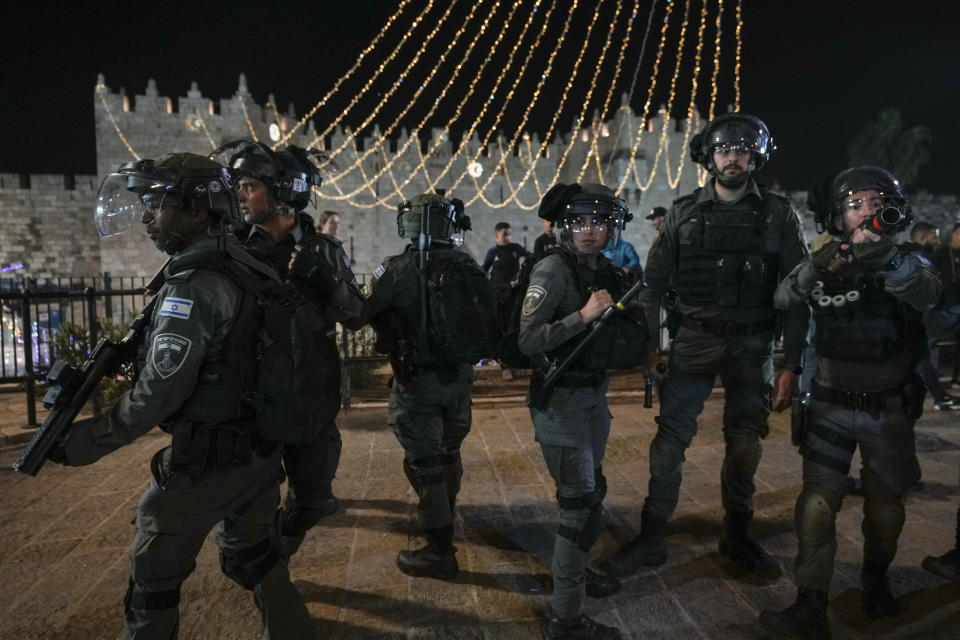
[
  {"x": 310, "y": 268},
  {"x": 875, "y": 255},
  {"x": 822, "y": 258},
  {"x": 80, "y": 448}
]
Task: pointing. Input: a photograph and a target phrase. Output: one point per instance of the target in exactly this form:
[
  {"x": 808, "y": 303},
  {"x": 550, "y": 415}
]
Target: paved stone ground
[{"x": 65, "y": 535}]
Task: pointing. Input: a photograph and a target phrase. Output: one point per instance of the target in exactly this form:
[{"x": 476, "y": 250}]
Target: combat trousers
[
  {"x": 745, "y": 366},
  {"x": 834, "y": 433},
  {"x": 573, "y": 432},
  {"x": 431, "y": 419},
  {"x": 311, "y": 468},
  {"x": 173, "y": 519}
]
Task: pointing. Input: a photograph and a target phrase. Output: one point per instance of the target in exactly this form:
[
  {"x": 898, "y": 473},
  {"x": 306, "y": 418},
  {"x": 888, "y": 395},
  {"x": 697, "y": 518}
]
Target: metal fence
[{"x": 34, "y": 313}]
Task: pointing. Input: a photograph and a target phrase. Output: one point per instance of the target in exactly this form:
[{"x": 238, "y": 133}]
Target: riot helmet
[
  {"x": 581, "y": 212},
  {"x": 732, "y": 132},
  {"x": 830, "y": 196},
  {"x": 433, "y": 215},
  {"x": 288, "y": 173},
  {"x": 186, "y": 181}
]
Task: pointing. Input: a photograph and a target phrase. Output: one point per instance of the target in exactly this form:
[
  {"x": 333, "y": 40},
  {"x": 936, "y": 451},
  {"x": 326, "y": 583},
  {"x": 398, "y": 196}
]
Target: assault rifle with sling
[{"x": 70, "y": 388}]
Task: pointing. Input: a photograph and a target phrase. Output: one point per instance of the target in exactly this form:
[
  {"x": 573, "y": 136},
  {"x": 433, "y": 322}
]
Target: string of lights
[
  {"x": 356, "y": 65},
  {"x": 702, "y": 173},
  {"x": 246, "y": 117},
  {"x": 101, "y": 90},
  {"x": 478, "y": 74},
  {"x": 400, "y": 79},
  {"x": 736, "y": 65}
]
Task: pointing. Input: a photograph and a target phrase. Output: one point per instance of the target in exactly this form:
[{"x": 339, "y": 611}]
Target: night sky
[{"x": 815, "y": 71}]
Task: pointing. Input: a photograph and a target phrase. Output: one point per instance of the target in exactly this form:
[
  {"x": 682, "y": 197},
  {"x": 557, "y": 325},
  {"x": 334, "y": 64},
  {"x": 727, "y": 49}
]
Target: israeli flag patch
[
  {"x": 379, "y": 271},
  {"x": 176, "y": 308}
]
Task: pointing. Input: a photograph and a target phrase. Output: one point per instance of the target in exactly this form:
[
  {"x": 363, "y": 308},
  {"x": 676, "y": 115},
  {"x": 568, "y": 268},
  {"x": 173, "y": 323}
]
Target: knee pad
[
  {"x": 666, "y": 456},
  {"x": 423, "y": 471},
  {"x": 814, "y": 515},
  {"x": 587, "y": 536},
  {"x": 883, "y": 518},
  {"x": 743, "y": 454},
  {"x": 248, "y": 567},
  {"x": 137, "y": 598}
]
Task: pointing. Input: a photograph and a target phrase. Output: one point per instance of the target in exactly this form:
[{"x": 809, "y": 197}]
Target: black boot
[
  {"x": 805, "y": 619},
  {"x": 435, "y": 560},
  {"x": 582, "y": 628},
  {"x": 599, "y": 585},
  {"x": 947, "y": 565},
  {"x": 647, "y": 549},
  {"x": 878, "y": 600},
  {"x": 738, "y": 546}
]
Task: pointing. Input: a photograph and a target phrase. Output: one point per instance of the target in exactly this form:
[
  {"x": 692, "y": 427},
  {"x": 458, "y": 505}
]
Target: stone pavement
[{"x": 65, "y": 535}]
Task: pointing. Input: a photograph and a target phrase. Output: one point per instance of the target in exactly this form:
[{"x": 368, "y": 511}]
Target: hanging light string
[
  {"x": 478, "y": 74},
  {"x": 356, "y": 65},
  {"x": 512, "y": 88},
  {"x": 636, "y": 74},
  {"x": 403, "y": 75},
  {"x": 692, "y": 119},
  {"x": 468, "y": 135},
  {"x": 101, "y": 90},
  {"x": 246, "y": 116},
  {"x": 645, "y": 112},
  {"x": 702, "y": 173},
  {"x": 195, "y": 122},
  {"x": 597, "y": 125},
  {"x": 468, "y": 132},
  {"x": 559, "y": 109},
  {"x": 736, "y": 66},
  {"x": 665, "y": 112}
]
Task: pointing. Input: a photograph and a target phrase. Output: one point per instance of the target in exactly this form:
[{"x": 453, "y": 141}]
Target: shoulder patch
[
  {"x": 176, "y": 308},
  {"x": 169, "y": 353},
  {"x": 378, "y": 272},
  {"x": 533, "y": 299}
]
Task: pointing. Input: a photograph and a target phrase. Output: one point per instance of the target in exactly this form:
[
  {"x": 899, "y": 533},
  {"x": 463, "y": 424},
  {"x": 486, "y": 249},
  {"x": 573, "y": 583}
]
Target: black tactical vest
[
  {"x": 227, "y": 381},
  {"x": 857, "y": 319},
  {"x": 727, "y": 257},
  {"x": 622, "y": 344}
]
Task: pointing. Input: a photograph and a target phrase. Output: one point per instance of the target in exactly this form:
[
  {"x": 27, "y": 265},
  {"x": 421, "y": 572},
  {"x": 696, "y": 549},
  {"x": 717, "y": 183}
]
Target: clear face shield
[
  {"x": 123, "y": 199},
  {"x": 588, "y": 233}
]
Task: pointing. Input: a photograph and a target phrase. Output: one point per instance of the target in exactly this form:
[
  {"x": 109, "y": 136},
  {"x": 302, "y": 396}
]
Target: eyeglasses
[{"x": 858, "y": 203}]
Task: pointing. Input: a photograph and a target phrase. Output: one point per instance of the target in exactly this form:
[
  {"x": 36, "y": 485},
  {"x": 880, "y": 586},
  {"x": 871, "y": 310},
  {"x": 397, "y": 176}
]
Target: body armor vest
[
  {"x": 226, "y": 382},
  {"x": 622, "y": 344},
  {"x": 725, "y": 260},
  {"x": 856, "y": 318}
]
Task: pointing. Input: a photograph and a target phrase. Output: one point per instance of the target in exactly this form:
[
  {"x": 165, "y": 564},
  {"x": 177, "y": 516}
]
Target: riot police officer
[
  {"x": 570, "y": 287},
  {"x": 201, "y": 350},
  {"x": 273, "y": 189},
  {"x": 721, "y": 251},
  {"x": 431, "y": 346},
  {"x": 868, "y": 298}
]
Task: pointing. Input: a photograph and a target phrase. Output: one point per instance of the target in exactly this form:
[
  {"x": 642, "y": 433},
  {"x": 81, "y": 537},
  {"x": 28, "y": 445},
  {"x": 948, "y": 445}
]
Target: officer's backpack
[
  {"x": 461, "y": 323},
  {"x": 298, "y": 372}
]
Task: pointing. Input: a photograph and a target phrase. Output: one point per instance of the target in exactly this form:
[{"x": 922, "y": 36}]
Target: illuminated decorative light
[{"x": 274, "y": 131}]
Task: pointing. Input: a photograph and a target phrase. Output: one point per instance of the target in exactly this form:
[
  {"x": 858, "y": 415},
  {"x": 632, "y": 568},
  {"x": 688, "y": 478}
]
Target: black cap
[{"x": 657, "y": 212}]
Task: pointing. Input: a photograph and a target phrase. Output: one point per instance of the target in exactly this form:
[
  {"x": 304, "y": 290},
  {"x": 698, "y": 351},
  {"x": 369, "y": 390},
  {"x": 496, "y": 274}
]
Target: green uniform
[
  {"x": 429, "y": 409},
  {"x": 216, "y": 472},
  {"x": 312, "y": 465},
  {"x": 573, "y": 427},
  {"x": 864, "y": 395},
  {"x": 724, "y": 259}
]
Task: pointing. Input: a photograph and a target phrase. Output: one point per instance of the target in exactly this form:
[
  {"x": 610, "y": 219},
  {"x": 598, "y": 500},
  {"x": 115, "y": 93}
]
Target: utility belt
[
  {"x": 873, "y": 402},
  {"x": 727, "y": 329},
  {"x": 581, "y": 379},
  {"x": 198, "y": 449}
]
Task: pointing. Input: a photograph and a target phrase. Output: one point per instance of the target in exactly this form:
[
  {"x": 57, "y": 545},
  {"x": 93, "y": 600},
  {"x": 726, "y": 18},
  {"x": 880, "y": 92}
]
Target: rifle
[
  {"x": 70, "y": 388},
  {"x": 539, "y": 397}
]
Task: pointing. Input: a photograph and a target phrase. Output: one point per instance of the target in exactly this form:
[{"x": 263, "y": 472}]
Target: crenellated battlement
[{"x": 47, "y": 182}]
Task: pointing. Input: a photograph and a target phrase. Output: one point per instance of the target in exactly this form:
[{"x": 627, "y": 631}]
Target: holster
[
  {"x": 914, "y": 393},
  {"x": 799, "y": 418}
]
